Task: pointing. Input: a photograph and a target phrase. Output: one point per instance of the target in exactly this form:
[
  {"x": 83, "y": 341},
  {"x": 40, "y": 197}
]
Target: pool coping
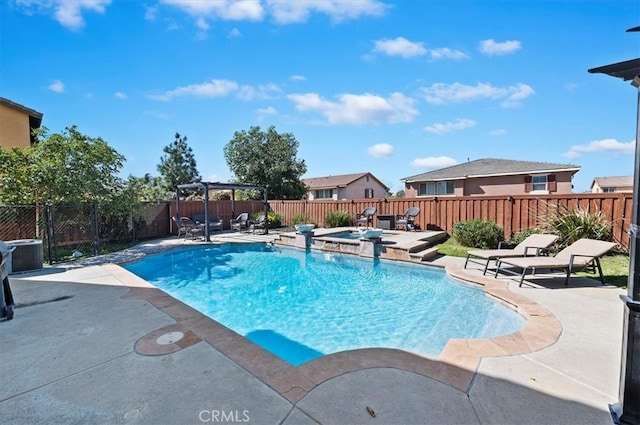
[{"x": 455, "y": 366}]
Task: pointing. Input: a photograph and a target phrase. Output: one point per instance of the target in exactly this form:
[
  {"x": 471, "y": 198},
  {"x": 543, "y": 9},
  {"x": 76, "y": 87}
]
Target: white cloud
[
  {"x": 298, "y": 77},
  {"x": 234, "y": 33},
  {"x": 441, "y": 93},
  {"x": 447, "y": 53},
  {"x": 151, "y": 13},
  {"x": 433, "y": 162},
  {"x": 67, "y": 13},
  {"x": 120, "y": 95},
  {"x": 400, "y": 47},
  {"x": 231, "y": 10},
  {"x": 214, "y": 88},
  {"x": 498, "y": 132},
  {"x": 202, "y": 24},
  {"x": 571, "y": 86},
  {"x": 358, "y": 109},
  {"x": 269, "y": 110},
  {"x": 605, "y": 145},
  {"x": 380, "y": 150},
  {"x": 448, "y": 127},
  {"x": 492, "y": 48},
  {"x": 57, "y": 86},
  {"x": 265, "y": 91},
  {"x": 286, "y": 12}
]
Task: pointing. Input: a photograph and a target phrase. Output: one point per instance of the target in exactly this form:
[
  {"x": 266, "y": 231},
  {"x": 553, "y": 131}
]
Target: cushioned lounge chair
[
  {"x": 407, "y": 220},
  {"x": 365, "y": 218},
  {"x": 579, "y": 255},
  {"x": 532, "y": 245},
  {"x": 240, "y": 222}
]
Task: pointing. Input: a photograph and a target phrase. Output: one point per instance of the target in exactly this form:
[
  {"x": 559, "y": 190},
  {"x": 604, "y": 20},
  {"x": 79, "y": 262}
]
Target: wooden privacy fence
[{"x": 512, "y": 213}]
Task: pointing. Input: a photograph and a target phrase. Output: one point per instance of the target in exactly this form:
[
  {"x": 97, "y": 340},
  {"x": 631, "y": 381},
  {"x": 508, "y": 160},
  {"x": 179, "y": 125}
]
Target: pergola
[
  {"x": 217, "y": 185},
  {"x": 628, "y": 409}
]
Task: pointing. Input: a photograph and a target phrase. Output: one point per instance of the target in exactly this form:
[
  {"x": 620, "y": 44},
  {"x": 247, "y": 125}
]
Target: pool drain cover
[{"x": 170, "y": 338}]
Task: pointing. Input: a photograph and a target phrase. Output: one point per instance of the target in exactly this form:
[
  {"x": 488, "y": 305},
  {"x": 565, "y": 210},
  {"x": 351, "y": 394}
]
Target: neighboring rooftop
[
  {"x": 486, "y": 167},
  {"x": 618, "y": 181},
  {"x": 336, "y": 181}
]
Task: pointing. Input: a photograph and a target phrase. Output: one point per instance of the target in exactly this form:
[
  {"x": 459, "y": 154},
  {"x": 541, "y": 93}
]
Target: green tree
[
  {"x": 149, "y": 188},
  {"x": 65, "y": 167},
  {"x": 178, "y": 165},
  {"x": 267, "y": 158}
]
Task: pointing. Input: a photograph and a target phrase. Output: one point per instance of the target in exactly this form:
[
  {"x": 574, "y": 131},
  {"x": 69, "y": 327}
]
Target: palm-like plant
[{"x": 577, "y": 223}]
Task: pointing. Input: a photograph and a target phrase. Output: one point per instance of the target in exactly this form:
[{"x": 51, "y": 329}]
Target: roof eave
[{"x": 474, "y": 176}]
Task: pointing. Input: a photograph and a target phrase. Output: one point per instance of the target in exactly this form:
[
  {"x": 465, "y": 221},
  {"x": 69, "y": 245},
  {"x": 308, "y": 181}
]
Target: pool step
[{"x": 424, "y": 255}]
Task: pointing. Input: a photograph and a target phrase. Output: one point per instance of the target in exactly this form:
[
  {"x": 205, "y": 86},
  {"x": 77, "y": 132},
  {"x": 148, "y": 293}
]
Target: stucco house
[
  {"x": 16, "y": 124},
  {"x": 491, "y": 176},
  {"x": 612, "y": 184},
  {"x": 345, "y": 186}
]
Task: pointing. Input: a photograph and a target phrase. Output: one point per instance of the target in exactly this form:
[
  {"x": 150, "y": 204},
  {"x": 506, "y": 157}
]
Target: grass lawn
[{"x": 614, "y": 267}]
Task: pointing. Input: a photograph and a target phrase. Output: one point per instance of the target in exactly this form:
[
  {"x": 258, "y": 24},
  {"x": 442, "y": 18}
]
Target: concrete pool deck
[{"x": 91, "y": 344}]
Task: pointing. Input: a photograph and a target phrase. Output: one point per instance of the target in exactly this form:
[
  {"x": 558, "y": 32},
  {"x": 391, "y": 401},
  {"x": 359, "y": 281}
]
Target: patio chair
[
  {"x": 259, "y": 223},
  {"x": 214, "y": 222},
  {"x": 240, "y": 222},
  {"x": 407, "y": 220},
  {"x": 365, "y": 218},
  {"x": 181, "y": 229},
  {"x": 191, "y": 228},
  {"x": 534, "y": 244},
  {"x": 579, "y": 255}
]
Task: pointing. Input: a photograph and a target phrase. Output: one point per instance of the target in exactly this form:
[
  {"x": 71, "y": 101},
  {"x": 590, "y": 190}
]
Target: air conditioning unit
[{"x": 27, "y": 256}]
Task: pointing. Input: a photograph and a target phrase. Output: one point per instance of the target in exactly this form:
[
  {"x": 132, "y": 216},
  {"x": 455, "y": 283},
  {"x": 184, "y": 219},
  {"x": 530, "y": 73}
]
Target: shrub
[
  {"x": 302, "y": 219},
  {"x": 338, "y": 219},
  {"x": 577, "y": 223},
  {"x": 478, "y": 233},
  {"x": 273, "y": 218},
  {"x": 524, "y": 234}
]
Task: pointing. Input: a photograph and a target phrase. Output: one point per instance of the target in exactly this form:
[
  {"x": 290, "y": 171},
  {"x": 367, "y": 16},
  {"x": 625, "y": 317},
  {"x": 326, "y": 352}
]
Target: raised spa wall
[{"x": 370, "y": 248}]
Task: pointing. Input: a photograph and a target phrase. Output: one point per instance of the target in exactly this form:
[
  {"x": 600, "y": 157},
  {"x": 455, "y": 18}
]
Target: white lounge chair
[
  {"x": 532, "y": 245},
  {"x": 579, "y": 255}
]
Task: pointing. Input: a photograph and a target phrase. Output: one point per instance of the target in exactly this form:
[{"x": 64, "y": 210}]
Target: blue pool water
[
  {"x": 344, "y": 235},
  {"x": 301, "y": 305}
]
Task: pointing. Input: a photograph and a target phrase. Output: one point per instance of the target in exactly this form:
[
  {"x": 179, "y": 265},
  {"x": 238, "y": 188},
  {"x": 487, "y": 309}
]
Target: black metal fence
[{"x": 72, "y": 231}]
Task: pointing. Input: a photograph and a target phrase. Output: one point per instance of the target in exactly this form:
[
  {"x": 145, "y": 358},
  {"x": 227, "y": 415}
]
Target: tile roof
[
  {"x": 486, "y": 167},
  {"x": 335, "y": 181},
  {"x": 618, "y": 181}
]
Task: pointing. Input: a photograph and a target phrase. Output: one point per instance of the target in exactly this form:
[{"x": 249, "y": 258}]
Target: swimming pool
[{"x": 301, "y": 305}]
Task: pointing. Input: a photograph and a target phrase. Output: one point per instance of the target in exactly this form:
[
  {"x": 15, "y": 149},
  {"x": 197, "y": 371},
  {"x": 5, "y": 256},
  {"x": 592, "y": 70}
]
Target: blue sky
[{"x": 394, "y": 88}]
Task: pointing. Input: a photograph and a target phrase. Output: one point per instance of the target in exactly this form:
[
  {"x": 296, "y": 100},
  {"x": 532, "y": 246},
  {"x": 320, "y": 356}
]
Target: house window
[
  {"x": 608, "y": 189},
  {"x": 436, "y": 188},
  {"x": 324, "y": 194},
  {"x": 368, "y": 193},
  {"x": 539, "y": 183}
]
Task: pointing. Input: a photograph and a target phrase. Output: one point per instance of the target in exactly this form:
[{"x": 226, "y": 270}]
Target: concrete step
[{"x": 424, "y": 255}]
